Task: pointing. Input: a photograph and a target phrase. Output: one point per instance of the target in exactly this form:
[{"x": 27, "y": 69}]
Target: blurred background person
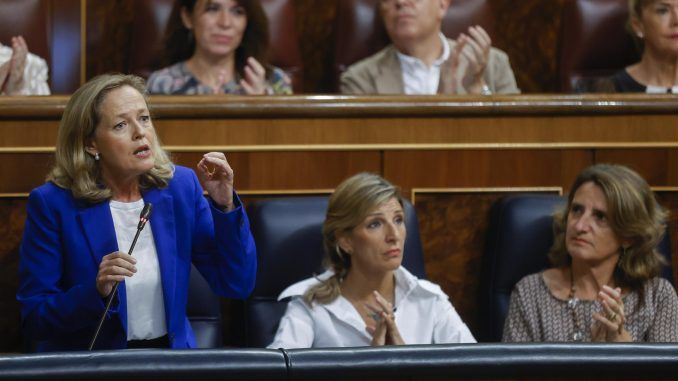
[
  {"x": 604, "y": 285},
  {"x": 217, "y": 47},
  {"x": 366, "y": 297},
  {"x": 109, "y": 163},
  {"x": 421, "y": 60},
  {"x": 21, "y": 72},
  {"x": 654, "y": 26}
]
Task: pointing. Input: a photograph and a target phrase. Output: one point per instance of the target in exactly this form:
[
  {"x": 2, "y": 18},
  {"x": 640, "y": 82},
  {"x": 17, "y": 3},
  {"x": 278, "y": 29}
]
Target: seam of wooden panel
[
  {"x": 484, "y": 190},
  {"x": 83, "y": 42},
  {"x": 275, "y": 192},
  {"x": 385, "y": 147},
  {"x": 664, "y": 189}
]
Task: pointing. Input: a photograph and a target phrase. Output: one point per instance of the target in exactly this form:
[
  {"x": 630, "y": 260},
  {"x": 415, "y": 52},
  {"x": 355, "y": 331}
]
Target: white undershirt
[
  {"x": 145, "y": 305},
  {"x": 661, "y": 90},
  {"x": 419, "y": 78}
]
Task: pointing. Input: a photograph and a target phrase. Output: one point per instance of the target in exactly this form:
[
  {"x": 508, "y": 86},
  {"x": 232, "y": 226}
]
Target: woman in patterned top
[
  {"x": 217, "y": 47},
  {"x": 604, "y": 285}
]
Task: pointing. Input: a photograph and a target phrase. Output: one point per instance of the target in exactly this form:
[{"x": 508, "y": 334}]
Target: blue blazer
[{"x": 65, "y": 239}]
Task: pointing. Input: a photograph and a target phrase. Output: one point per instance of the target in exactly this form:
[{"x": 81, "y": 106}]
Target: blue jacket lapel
[
  {"x": 97, "y": 224},
  {"x": 164, "y": 235}
]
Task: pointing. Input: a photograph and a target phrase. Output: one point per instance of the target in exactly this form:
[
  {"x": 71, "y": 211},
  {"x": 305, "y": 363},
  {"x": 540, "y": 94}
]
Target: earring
[
  {"x": 639, "y": 34},
  {"x": 96, "y": 156}
]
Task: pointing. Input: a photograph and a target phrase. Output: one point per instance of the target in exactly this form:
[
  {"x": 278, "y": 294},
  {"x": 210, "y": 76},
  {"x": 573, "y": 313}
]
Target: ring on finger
[
  {"x": 376, "y": 316},
  {"x": 612, "y": 317}
]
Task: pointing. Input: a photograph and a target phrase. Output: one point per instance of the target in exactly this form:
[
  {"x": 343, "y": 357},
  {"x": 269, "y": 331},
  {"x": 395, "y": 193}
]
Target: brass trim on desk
[
  {"x": 373, "y": 106},
  {"x": 414, "y": 191},
  {"x": 378, "y": 147}
]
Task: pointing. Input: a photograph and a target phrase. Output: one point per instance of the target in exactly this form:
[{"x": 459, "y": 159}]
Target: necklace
[{"x": 572, "y": 303}]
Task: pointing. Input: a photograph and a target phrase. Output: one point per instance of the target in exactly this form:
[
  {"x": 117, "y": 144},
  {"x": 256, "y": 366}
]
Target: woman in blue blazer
[{"x": 109, "y": 163}]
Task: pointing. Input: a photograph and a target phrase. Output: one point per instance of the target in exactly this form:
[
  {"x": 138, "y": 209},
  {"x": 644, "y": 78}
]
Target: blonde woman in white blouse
[
  {"x": 21, "y": 72},
  {"x": 366, "y": 297}
]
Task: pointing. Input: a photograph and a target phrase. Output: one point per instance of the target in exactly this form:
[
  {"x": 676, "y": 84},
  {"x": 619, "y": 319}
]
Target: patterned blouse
[
  {"x": 536, "y": 315},
  {"x": 178, "y": 80}
]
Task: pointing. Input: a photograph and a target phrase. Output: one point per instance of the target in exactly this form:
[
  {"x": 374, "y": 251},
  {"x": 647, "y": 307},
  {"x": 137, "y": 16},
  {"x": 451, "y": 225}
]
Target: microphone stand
[{"x": 145, "y": 213}]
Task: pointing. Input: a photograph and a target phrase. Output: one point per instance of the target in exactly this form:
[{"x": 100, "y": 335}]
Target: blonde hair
[
  {"x": 77, "y": 170},
  {"x": 348, "y": 206},
  {"x": 634, "y": 215}
]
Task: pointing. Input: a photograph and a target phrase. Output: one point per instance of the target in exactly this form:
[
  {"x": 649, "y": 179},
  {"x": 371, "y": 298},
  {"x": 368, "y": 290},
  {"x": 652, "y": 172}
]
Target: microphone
[{"x": 143, "y": 218}]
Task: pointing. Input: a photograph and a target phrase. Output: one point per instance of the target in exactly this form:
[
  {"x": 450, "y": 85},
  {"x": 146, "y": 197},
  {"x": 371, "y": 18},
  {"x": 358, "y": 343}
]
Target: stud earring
[{"x": 639, "y": 34}]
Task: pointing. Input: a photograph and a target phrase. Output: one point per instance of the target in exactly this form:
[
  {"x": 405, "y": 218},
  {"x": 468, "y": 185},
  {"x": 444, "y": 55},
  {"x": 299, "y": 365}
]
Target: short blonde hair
[
  {"x": 634, "y": 215},
  {"x": 74, "y": 168},
  {"x": 348, "y": 206}
]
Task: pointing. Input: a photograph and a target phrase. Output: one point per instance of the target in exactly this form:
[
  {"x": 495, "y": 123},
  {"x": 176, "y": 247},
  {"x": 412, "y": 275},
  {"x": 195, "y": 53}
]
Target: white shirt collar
[
  {"x": 419, "y": 78},
  {"x": 406, "y": 282},
  {"x": 409, "y": 60}
]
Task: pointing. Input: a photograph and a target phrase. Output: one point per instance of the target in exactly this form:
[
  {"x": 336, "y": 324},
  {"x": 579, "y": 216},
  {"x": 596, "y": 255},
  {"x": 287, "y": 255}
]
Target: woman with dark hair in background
[
  {"x": 604, "y": 283},
  {"x": 218, "y": 47}
]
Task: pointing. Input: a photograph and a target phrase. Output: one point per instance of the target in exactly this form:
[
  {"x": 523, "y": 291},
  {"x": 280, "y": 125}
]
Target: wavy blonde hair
[
  {"x": 349, "y": 205},
  {"x": 74, "y": 168},
  {"x": 634, "y": 215}
]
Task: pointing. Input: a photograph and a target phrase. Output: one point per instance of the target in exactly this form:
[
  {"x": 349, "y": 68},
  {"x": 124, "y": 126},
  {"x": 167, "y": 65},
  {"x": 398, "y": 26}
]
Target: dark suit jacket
[{"x": 65, "y": 239}]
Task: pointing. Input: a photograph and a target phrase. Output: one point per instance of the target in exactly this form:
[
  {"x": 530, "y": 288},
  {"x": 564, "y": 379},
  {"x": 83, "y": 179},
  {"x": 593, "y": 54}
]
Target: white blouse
[
  {"x": 423, "y": 314},
  {"x": 419, "y": 78},
  {"x": 145, "y": 304}
]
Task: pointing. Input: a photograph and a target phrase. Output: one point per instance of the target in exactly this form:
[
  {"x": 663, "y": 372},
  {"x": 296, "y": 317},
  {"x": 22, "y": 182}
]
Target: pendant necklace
[{"x": 572, "y": 303}]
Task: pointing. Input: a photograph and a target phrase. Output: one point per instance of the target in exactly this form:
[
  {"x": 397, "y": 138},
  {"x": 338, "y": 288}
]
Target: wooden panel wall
[{"x": 297, "y": 145}]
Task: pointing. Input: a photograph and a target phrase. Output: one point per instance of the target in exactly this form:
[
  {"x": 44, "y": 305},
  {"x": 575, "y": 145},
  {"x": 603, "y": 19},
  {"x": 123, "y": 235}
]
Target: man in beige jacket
[{"x": 422, "y": 61}]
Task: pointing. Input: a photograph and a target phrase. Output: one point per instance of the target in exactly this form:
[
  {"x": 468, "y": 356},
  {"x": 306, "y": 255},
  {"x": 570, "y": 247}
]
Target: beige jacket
[{"x": 381, "y": 74}]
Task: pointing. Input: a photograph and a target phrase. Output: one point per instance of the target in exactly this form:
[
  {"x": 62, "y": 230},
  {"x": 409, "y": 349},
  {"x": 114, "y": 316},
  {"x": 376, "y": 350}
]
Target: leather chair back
[
  {"x": 520, "y": 234},
  {"x": 284, "y": 50},
  {"x": 595, "y": 43},
  {"x": 288, "y": 235},
  {"x": 203, "y": 309},
  {"x": 360, "y": 31},
  {"x": 151, "y": 18}
]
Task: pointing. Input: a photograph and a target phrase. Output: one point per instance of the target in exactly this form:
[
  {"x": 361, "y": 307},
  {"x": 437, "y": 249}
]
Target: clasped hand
[
  {"x": 12, "y": 71},
  {"x": 253, "y": 83},
  {"x": 475, "y": 48},
  {"x": 384, "y": 331},
  {"x": 609, "y": 325}
]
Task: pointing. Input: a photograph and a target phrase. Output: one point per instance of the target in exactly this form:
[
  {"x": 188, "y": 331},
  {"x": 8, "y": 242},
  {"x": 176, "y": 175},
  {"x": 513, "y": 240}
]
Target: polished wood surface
[{"x": 481, "y": 147}]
